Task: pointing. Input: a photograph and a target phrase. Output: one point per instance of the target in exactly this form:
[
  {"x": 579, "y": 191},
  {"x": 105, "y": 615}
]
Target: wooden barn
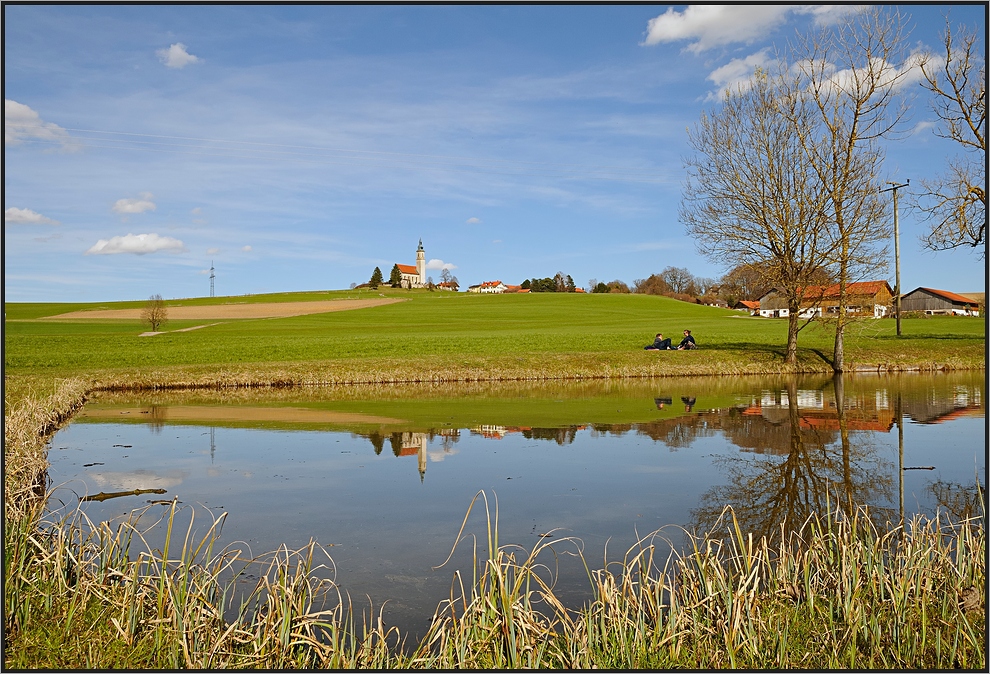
[{"x": 938, "y": 302}]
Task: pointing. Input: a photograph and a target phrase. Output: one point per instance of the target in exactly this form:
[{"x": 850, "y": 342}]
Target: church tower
[{"x": 421, "y": 263}]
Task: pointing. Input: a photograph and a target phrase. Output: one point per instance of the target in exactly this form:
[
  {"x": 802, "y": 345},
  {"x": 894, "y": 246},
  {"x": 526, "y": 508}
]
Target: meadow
[
  {"x": 460, "y": 336},
  {"x": 838, "y": 593}
]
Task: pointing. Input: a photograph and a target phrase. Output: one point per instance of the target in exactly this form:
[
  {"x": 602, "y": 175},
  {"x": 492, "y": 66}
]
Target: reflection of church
[{"x": 414, "y": 444}]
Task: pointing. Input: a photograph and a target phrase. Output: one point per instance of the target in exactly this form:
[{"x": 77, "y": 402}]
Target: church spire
[{"x": 420, "y": 244}]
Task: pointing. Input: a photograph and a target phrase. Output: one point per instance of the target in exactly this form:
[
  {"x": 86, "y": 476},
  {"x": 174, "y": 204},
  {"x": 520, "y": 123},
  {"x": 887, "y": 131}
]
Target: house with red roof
[
  {"x": 939, "y": 302},
  {"x": 863, "y": 298}
]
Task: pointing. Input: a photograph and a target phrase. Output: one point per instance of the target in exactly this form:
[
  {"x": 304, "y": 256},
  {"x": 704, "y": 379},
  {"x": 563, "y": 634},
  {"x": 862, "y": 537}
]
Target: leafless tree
[
  {"x": 154, "y": 313},
  {"x": 852, "y": 72},
  {"x": 752, "y": 196},
  {"x": 956, "y": 201},
  {"x": 677, "y": 278}
]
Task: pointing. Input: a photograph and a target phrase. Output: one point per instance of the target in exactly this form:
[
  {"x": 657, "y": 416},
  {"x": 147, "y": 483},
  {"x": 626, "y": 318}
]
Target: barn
[{"x": 935, "y": 302}]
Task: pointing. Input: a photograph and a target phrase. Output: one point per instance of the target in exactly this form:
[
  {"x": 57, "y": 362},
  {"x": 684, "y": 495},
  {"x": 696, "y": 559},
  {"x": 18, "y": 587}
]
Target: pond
[{"x": 383, "y": 476}]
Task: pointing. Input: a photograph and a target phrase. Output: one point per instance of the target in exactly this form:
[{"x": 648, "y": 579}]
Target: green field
[{"x": 459, "y": 336}]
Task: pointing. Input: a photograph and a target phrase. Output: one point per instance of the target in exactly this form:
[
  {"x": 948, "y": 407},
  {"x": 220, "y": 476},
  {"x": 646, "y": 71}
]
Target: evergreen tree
[
  {"x": 525, "y": 285},
  {"x": 571, "y": 286},
  {"x": 395, "y": 278},
  {"x": 376, "y": 279}
]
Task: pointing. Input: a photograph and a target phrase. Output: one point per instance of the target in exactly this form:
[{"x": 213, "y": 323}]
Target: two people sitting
[{"x": 661, "y": 344}]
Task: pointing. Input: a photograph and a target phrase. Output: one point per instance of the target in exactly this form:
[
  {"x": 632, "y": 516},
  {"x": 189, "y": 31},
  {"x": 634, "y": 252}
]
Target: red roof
[
  {"x": 490, "y": 284},
  {"x": 952, "y": 297},
  {"x": 750, "y": 304},
  {"x": 408, "y": 269},
  {"x": 858, "y": 288}
]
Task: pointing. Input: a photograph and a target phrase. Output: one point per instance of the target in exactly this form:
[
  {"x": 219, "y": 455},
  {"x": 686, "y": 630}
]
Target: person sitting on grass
[
  {"x": 659, "y": 344},
  {"x": 688, "y": 342}
]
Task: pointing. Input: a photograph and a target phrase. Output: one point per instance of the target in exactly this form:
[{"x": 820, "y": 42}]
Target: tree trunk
[
  {"x": 792, "y": 333},
  {"x": 838, "y": 356}
]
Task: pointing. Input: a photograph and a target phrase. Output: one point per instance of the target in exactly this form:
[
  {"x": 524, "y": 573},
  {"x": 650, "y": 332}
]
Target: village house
[
  {"x": 939, "y": 302},
  {"x": 490, "y": 287},
  {"x": 752, "y": 307},
  {"x": 863, "y": 298}
]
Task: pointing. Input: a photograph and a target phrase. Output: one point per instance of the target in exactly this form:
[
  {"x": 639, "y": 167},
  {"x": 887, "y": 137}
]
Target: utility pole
[
  {"x": 897, "y": 254},
  {"x": 213, "y": 276}
]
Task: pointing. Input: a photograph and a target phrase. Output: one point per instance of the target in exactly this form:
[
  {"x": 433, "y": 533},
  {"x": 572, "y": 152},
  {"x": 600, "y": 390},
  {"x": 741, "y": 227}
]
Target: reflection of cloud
[
  {"x": 436, "y": 456},
  {"x": 137, "y": 479}
]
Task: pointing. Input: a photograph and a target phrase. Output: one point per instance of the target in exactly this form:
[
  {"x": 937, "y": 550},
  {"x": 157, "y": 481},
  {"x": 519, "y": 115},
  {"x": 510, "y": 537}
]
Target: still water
[{"x": 383, "y": 476}]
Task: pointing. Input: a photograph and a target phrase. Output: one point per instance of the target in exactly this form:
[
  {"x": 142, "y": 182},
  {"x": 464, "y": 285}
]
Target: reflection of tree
[
  {"x": 562, "y": 436},
  {"x": 157, "y": 415},
  {"x": 377, "y": 441},
  {"x": 959, "y": 501},
  {"x": 679, "y": 431},
  {"x": 799, "y": 473},
  {"x": 396, "y": 441}
]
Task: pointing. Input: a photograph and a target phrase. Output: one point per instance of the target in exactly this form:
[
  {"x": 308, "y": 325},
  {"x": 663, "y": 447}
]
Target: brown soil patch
[
  {"x": 220, "y": 414},
  {"x": 270, "y": 310}
]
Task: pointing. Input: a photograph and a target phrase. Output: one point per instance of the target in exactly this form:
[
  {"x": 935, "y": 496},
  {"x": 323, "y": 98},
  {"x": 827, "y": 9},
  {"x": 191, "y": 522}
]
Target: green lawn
[{"x": 446, "y": 330}]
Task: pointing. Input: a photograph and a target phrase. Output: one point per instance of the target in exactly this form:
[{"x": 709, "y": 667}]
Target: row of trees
[
  {"x": 558, "y": 283},
  {"x": 785, "y": 172}
]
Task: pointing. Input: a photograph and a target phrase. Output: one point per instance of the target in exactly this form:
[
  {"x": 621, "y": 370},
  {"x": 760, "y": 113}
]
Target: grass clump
[{"x": 836, "y": 592}]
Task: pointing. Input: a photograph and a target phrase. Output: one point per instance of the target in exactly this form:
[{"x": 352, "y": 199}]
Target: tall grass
[{"x": 834, "y": 592}]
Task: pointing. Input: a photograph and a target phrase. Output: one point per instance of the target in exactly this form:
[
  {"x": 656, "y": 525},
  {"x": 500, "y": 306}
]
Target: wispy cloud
[
  {"x": 140, "y": 205},
  {"x": 21, "y": 123},
  {"x": 473, "y": 221},
  {"x": 25, "y": 216},
  {"x": 246, "y": 249},
  {"x": 136, "y": 244},
  {"x": 176, "y": 56}
]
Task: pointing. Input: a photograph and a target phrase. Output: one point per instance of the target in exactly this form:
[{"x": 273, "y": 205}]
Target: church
[{"x": 414, "y": 276}]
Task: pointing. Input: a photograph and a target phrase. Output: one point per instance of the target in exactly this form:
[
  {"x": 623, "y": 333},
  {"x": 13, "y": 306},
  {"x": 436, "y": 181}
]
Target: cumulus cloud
[
  {"x": 137, "y": 244},
  {"x": 737, "y": 72},
  {"x": 140, "y": 205},
  {"x": 25, "y": 216},
  {"x": 473, "y": 221},
  {"x": 826, "y": 15},
  {"x": 715, "y": 25},
  {"x": 21, "y": 123},
  {"x": 439, "y": 264},
  {"x": 176, "y": 56}
]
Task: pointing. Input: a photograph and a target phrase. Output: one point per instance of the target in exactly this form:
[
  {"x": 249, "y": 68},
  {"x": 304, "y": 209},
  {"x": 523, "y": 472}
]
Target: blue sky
[{"x": 296, "y": 148}]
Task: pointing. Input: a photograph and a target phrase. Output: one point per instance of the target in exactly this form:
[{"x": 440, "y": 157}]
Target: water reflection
[{"x": 384, "y": 474}]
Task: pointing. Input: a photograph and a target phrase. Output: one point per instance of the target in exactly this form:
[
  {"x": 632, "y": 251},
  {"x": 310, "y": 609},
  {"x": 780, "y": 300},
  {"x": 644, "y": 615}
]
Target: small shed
[{"x": 938, "y": 302}]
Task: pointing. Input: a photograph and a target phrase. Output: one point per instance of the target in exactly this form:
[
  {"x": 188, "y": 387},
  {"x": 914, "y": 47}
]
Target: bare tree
[
  {"x": 956, "y": 201},
  {"x": 850, "y": 73},
  {"x": 752, "y": 197},
  {"x": 154, "y": 313},
  {"x": 677, "y": 278}
]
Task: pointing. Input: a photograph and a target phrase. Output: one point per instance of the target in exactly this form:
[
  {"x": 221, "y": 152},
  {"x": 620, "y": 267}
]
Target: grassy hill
[{"x": 442, "y": 336}]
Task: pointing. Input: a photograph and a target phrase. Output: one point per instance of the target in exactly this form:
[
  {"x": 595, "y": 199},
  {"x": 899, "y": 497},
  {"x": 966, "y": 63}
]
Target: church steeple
[{"x": 421, "y": 263}]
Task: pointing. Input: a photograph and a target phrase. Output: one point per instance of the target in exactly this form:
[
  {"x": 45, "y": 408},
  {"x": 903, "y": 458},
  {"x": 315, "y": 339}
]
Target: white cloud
[
  {"x": 439, "y": 264},
  {"x": 176, "y": 56},
  {"x": 921, "y": 127},
  {"x": 473, "y": 221},
  {"x": 196, "y": 211},
  {"x": 737, "y": 72},
  {"x": 212, "y": 251},
  {"x": 246, "y": 249},
  {"x": 715, "y": 25},
  {"x": 25, "y": 216},
  {"x": 140, "y": 205},
  {"x": 826, "y": 15},
  {"x": 138, "y": 244},
  {"x": 21, "y": 123}
]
